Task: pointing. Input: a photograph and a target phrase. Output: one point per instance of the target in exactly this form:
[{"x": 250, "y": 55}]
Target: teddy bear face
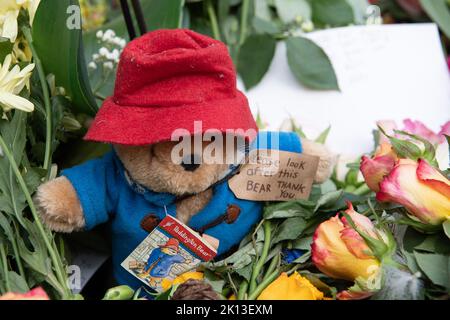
[{"x": 153, "y": 167}]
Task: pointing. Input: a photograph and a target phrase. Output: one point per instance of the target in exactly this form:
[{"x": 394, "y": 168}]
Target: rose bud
[
  {"x": 340, "y": 252},
  {"x": 376, "y": 168},
  {"x": 420, "y": 188}
]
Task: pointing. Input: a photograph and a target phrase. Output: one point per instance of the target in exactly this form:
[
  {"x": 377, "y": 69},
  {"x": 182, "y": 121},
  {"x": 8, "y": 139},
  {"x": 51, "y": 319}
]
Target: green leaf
[
  {"x": 405, "y": 149},
  {"x": 18, "y": 284},
  {"x": 262, "y": 10},
  {"x": 60, "y": 49},
  {"x": 322, "y": 138},
  {"x": 12, "y": 199},
  {"x": 289, "y": 229},
  {"x": 163, "y": 14},
  {"x": 255, "y": 57},
  {"x": 239, "y": 259},
  {"x": 435, "y": 266},
  {"x": 34, "y": 178},
  {"x": 290, "y": 10},
  {"x": 328, "y": 200},
  {"x": 332, "y": 12},
  {"x": 215, "y": 281},
  {"x": 438, "y": 11},
  {"x": 310, "y": 64},
  {"x": 435, "y": 243},
  {"x": 430, "y": 151},
  {"x": 303, "y": 243},
  {"x": 287, "y": 209},
  {"x": 446, "y": 226},
  {"x": 6, "y": 47},
  {"x": 264, "y": 26},
  {"x": 245, "y": 272}
]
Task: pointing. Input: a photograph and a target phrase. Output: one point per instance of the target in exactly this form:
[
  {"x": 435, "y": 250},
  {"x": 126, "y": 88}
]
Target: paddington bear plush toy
[{"x": 166, "y": 80}]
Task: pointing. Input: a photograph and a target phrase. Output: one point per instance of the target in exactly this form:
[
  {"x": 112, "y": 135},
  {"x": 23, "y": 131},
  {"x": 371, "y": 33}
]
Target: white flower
[
  {"x": 108, "y": 35},
  {"x": 108, "y": 65},
  {"x": 32, "y": 7},
  {"x": 9, "y": 11},
  {"x": 11, "y": 84},
  {"x": 103, "y": 52},
  {"x": 115, "y": 55},
  {"x": 92, "y": 65},
  {"x": 99, "y": 34}
]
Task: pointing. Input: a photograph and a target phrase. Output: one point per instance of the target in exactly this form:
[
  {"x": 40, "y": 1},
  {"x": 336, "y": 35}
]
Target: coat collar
[{"x": 160, "y": 199}]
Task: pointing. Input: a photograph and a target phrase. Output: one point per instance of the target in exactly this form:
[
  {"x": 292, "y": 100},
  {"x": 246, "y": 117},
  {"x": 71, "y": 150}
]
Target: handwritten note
[{"x": 273, "y": 175}]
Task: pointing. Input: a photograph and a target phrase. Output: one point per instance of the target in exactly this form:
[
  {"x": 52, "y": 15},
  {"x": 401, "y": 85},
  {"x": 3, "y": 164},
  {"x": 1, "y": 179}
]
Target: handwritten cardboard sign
[{"x": 273, "y": 175}]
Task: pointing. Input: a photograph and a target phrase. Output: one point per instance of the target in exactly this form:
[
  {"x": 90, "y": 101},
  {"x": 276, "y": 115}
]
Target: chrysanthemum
[{"x": 11, "y": 84}]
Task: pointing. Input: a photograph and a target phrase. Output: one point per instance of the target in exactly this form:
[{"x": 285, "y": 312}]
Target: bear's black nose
[{"x": 191, "y": 162}]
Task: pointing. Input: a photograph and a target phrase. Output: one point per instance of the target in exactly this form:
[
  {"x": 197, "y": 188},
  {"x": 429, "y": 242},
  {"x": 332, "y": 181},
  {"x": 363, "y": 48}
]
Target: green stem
[
  {"x": 17, "y": 255},
  {"x": 13, "y": 240},
  {"x": 244, "y": 21},
  {"x": 5, "y": 266},
  {"x": 272, "y": 266},
  {"x": 362, "y": 190},
  {"x": 242, "y": 290},
  {"x": 213, "y": 19},
  {"x": 59, "y": 269},
  {"x": 265, "y": 251},
  {"x": 263, "y": 285},
  {"x": 45, "y": 91}
]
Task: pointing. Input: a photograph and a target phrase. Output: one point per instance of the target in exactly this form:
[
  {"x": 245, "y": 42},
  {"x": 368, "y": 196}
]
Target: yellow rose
[
  {"x": 339, "y": 251},
  {"x": 293, "y": 287},
  {"x": 166, "y": 284}
]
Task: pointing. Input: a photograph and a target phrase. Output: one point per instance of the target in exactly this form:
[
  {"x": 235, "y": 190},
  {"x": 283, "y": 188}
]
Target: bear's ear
[{"x": 327, "y": 159}]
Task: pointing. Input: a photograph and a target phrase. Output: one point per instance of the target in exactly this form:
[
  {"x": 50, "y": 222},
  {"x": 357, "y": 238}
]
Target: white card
[{"x": 385, "y": 72}]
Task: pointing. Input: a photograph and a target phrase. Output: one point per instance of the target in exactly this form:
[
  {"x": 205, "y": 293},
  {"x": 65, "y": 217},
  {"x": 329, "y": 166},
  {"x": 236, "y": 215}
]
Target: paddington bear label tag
[
  {"x": 171, "y": 249},
  {"x": 273, "y": 175}
]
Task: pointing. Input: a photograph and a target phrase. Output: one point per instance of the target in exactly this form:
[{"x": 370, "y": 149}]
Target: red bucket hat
[{"x": 166, "y": 80}]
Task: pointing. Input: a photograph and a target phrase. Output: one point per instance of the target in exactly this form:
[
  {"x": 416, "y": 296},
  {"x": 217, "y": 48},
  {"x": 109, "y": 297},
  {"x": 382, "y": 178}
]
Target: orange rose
[{"x": 421, "y": 188}]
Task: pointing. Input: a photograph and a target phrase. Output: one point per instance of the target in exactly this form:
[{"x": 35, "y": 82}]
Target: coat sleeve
[{"x": 96, "y": 191}]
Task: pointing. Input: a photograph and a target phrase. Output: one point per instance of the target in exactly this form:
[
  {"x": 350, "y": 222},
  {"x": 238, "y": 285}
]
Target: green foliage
[
  {"x": 6, "y": 47},
  {"x": 439, "y": 11},
  {"x": 332, "y": 12},
  {"x": 67, "y": 63},
  {"x": 310, "y": 64},
  {"x": 290, "y": 10},
  {"x": 255, "y": 57}
]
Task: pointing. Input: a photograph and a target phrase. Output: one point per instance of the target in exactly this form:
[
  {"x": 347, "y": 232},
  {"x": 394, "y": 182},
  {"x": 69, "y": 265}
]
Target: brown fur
[
  {"x": 326, "y": 162},
  {"x": 59, "y": 201},
  {"x": 152, "y": 167},
  {"x": 190, "y": 206}
]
